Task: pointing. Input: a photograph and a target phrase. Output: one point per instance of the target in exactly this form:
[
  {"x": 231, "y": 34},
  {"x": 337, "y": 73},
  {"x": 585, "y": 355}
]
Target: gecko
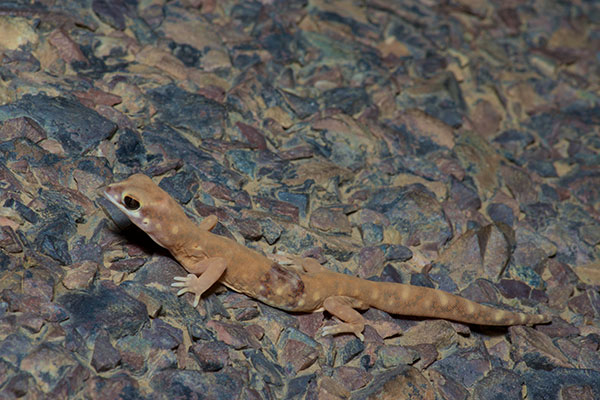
[{"x": 300, "y": 285}]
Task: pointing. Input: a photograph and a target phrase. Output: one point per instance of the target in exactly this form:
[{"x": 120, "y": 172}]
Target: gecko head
[{"x": 146, "y": 205}]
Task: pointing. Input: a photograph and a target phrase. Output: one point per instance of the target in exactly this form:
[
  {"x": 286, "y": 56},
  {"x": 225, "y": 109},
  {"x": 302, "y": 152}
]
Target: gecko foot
[
  {"x": 283, "y": 259},
  {"x": 343, "y": 328},
  {"x": 190, "y": 284}
]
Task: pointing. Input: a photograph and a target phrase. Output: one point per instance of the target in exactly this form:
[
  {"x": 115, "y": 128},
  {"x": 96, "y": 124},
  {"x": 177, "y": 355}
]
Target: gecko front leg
[{"x": 209, "y": 269}]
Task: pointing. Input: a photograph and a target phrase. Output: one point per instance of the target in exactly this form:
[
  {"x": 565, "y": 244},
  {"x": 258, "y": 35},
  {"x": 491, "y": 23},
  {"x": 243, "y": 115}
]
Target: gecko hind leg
[
  {"x": 342, "y": 307},
  {"x": 210, "y": 269},
  {"x": 303, "y": 264},
  {"x": 311, "y": 265}
]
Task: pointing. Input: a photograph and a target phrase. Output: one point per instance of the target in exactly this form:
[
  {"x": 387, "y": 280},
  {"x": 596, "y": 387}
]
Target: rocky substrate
[{"x": 451, "y": 144}]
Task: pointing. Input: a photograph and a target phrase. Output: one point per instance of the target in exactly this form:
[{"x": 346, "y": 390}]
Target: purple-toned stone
[
  {"x": 211, "y": 356},
  {"x": 234, "y": 335},
  {"x": 104, "y": 357}
]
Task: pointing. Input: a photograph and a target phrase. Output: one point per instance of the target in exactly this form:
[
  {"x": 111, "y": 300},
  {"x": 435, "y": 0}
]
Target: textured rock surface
[{"x": 452, "y": 145}]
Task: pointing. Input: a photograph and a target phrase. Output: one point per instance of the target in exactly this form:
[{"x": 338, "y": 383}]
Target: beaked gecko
[{"x": 302, "y": 286}]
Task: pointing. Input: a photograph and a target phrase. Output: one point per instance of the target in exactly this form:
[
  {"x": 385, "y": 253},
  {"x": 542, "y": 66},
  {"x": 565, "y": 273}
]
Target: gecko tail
[{"x": 426, "y": 302}]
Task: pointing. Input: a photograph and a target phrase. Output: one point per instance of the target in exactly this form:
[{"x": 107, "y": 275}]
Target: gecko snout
[
  {"x": 113, "y": 194},
  {"x": 108, "y": 192}
]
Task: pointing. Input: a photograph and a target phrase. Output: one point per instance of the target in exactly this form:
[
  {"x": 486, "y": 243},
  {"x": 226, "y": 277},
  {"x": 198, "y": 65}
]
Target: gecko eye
[{"x": 131, "y": 203}]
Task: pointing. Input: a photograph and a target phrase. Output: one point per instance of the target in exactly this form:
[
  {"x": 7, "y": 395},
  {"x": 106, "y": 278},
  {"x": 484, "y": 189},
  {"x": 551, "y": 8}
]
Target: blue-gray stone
[
  {"x": 104, "y": 307},
  {"x": 499, "y": 212},
  {"x": 396, "y": 252},
  {"x": 271, "y": 372},
  {"x": 76, "y": 127},
  {"x": 199, "y": 114},
  {"x": 371, "y": 233},
  {"x": 182, "y": 186},
  {"x": 547, "y": 385},
  {"x": 300, "y": 200},
  {"x": 130, "y": 149},
  {"x": 184, "y": 384},
  {"x": 349, "y": 100},
  {"x": 244, "y": 161}
]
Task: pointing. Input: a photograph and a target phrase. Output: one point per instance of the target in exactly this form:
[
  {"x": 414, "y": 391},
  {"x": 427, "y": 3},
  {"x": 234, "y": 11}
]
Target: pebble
[{"x": 105, "y": 357}]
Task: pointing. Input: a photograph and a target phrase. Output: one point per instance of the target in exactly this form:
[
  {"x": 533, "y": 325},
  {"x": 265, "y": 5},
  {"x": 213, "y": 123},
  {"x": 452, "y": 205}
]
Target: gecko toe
[
  {"x": 326, "y": 331},
  {"x": 184, "y": 278},
  {"x": 183, "y": 281}
]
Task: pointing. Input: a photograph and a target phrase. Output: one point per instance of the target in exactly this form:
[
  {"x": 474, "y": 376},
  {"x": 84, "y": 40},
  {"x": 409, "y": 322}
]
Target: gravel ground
[{"x": 451, "y": 144}]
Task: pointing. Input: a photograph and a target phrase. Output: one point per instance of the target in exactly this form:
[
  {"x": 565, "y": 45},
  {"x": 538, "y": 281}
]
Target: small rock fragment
[
  {"x": 105, "y": 357},
  {"x": 211, "y": 356}
]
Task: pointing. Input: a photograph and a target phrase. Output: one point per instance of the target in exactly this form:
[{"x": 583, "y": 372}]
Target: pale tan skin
[{"x": 302, "y": 285}]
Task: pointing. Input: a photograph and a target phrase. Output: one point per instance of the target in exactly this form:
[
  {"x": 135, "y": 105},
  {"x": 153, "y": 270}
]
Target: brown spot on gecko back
[{"x": 281, "y": 287}]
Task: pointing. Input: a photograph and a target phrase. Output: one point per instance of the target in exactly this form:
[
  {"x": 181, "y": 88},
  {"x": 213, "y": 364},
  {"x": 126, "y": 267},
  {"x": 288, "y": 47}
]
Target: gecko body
[{"x": 301, "y": 285}]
